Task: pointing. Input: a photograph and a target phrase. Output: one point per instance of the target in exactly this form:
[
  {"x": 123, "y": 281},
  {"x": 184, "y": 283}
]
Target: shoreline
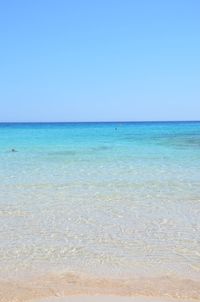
[{"x": 71, "y": 286}]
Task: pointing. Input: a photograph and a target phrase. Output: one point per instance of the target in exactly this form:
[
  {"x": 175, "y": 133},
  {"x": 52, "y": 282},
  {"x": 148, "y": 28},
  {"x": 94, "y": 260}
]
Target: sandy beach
[{"x": 73, "y": 287}]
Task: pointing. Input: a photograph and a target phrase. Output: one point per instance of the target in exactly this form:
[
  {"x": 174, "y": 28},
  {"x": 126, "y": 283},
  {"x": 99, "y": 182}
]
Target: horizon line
[{"x": 114, "y": 121}]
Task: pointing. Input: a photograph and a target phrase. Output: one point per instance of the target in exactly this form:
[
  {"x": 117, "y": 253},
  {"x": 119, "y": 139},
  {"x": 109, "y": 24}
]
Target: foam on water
[{"x": 111, "y": 199}]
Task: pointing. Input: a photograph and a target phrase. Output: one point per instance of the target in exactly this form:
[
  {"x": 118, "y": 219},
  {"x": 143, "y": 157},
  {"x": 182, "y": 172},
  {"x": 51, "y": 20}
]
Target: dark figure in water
[{"x": 13, "y": 150}]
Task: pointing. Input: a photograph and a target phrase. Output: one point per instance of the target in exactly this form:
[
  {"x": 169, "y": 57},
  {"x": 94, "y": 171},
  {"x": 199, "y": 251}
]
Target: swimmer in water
[{"x": 13, "y": 150}]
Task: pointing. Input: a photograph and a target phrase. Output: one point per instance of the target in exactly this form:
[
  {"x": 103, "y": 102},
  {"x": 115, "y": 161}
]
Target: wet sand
[
  {"x": 71, "y": 284},
  {"x": 110, "y": 299}
]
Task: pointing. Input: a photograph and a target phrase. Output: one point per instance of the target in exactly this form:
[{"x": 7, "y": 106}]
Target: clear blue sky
[{"x": 98, "y": 60}]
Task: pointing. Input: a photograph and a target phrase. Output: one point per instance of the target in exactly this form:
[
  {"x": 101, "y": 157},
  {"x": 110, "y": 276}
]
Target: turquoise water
[{"x": 114, "y": 199}]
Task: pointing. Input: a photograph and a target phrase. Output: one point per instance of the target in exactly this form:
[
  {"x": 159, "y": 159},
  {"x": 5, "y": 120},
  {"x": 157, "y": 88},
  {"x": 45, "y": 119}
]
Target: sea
[{"x": 110, "y": 200}]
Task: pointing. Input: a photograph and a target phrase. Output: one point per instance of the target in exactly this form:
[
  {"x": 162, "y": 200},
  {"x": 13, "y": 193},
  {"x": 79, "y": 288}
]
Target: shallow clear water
[{"x": 111, "y": 199}]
